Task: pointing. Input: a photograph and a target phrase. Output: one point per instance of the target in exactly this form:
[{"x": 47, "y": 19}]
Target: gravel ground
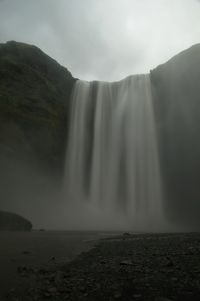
[
  {"x": 156, "y": 267},
  {"x": 37, "y": 250}
]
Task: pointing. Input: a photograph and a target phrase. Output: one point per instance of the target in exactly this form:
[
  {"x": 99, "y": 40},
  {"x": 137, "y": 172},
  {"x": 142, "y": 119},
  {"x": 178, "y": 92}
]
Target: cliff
[
  {"x": 34, "y": 104},
  {"x": 176, "y": 91},
  {"x": 34, "y": 112},
  {"x": 13, "y": 222}
]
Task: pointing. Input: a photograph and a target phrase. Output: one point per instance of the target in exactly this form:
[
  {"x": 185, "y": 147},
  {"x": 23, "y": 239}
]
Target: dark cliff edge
[
  {"x": 176, "y": 89},
  {"x": 34, "y": 104},
  {"x": 34, "y": 113},
  {"x": 13, "y": 222}
]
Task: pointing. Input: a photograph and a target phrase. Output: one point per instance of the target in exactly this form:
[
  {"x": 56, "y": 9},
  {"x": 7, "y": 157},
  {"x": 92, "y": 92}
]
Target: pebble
[
  {"x": 137, "y": 296},
  {"x": 162, "y": 299},
  {"x": 52, "y": 290},
  {"x": 117, "y": 295},
  {"x": 126, "y": 262}
]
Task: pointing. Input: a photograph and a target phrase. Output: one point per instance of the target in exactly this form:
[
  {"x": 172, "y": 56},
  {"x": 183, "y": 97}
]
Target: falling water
[{"x": 112, "y": 166}]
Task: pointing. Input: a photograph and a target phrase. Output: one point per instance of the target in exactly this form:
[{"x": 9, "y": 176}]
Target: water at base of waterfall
[{"x": 112, "y": 176}]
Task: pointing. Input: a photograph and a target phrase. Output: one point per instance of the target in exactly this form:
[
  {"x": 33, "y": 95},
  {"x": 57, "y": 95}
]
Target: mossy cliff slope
[
  {"x": 34, "y": 104},
  {"x": 176, "y": 87}
]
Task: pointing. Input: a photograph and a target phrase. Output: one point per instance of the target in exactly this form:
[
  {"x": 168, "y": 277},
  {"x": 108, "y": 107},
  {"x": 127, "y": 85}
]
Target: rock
[
  {"x": 59, "y": 277},
  {"x": 34, "y": 91},
  {"x": 169, "y": 262},
  {"x": 126, "y": 234},
  {"x": 34, "y": 114},
  {"x": 22, "y": 269},
  {"x": 137, "y": 296},
  {"x": 26, "y": 252},
  {"x": 52, "y": 290},
  {"x": 126, "y": 262},
  {"x": 82, "y": 289},
  {"x": 13, "y": 222},
  {"x": 117, "y": 295},
  {"x": 176, "y": 93},
  {"x": 162, "y": 299}
]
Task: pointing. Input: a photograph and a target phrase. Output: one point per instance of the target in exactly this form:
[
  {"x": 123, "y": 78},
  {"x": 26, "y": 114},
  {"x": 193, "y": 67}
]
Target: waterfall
[{"x": 112, "y": 167}]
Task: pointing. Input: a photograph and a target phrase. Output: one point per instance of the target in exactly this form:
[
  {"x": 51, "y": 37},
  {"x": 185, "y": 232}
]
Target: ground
[{"x": 157, "y": 267}]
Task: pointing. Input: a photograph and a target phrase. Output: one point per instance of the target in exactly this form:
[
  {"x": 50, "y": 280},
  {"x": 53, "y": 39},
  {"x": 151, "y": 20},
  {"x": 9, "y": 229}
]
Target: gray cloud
[{"x": 103, "y": 39}]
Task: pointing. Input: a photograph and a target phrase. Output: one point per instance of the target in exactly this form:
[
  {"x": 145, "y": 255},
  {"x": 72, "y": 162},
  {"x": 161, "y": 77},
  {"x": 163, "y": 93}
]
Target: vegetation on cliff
[
  {"x": 34, "y": 103},
  {"x": 34, "y": 111}
]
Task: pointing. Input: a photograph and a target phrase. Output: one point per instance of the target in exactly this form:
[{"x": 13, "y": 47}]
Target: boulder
[{"x": 13, "y": 222}]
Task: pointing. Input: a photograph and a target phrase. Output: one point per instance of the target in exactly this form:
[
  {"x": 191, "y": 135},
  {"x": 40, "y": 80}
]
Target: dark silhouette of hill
[
  {"x": 13, "y": 222},
  {"x": 176, "y": 86}
]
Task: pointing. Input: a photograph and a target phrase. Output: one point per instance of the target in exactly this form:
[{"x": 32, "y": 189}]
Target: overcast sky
[{"x": 103, "y": 39}]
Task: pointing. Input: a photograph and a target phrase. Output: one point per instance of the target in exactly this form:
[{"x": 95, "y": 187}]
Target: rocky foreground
[{"x": 157, "y": 267}]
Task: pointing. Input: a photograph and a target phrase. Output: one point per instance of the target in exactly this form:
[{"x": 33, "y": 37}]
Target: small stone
[
  {"x": 26, "y": 252},
  {"x": 162, "y": 299},
  {"x": 13, "y": 260},
  {"x": 174, "y": 279},
  {"x": 126, "y": 262},
  {"x": 58, "y": 277},
  {"x": 22, "y": 269},
  {"x": 52, "y": 290},
  {"x": 168, "y": 262},
  {"x": 137, "y": 296},
  {"x": 117, "y": 295},
  {"x": 82, "y": 289},
  {"x": 126, "y": 234}
]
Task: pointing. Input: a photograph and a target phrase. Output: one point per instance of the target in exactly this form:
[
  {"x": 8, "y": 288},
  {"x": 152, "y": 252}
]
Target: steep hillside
[
  {"x": 34, "y": 110},
  {"x": 176, "y": 86},
  {"x": 34, "y": 103},
  {"x": 13, "y": 222}
]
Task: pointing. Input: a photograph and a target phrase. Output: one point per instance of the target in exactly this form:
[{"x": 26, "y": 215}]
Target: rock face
[
  {"x": 34, "y": 109},
  {"x": 34, "y": 104},
  {"x": 177, "y": 104},
  {"x": 13, "y": 222}
]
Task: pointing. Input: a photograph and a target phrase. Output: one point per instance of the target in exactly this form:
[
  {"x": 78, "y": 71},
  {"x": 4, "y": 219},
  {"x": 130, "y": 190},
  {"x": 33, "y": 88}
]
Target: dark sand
[
  {"x": 145, "y": 267},
  {"x": 151, "y": 267},
  {"x": 37, "y": 250}
]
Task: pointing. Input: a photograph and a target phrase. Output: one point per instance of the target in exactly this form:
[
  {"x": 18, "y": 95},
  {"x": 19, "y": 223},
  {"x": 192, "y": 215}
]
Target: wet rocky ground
[{"x": 157, "y": 267}]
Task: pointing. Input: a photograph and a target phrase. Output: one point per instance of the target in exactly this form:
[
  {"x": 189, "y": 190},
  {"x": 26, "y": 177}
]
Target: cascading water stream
[{"x": 112, "y": 163}]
